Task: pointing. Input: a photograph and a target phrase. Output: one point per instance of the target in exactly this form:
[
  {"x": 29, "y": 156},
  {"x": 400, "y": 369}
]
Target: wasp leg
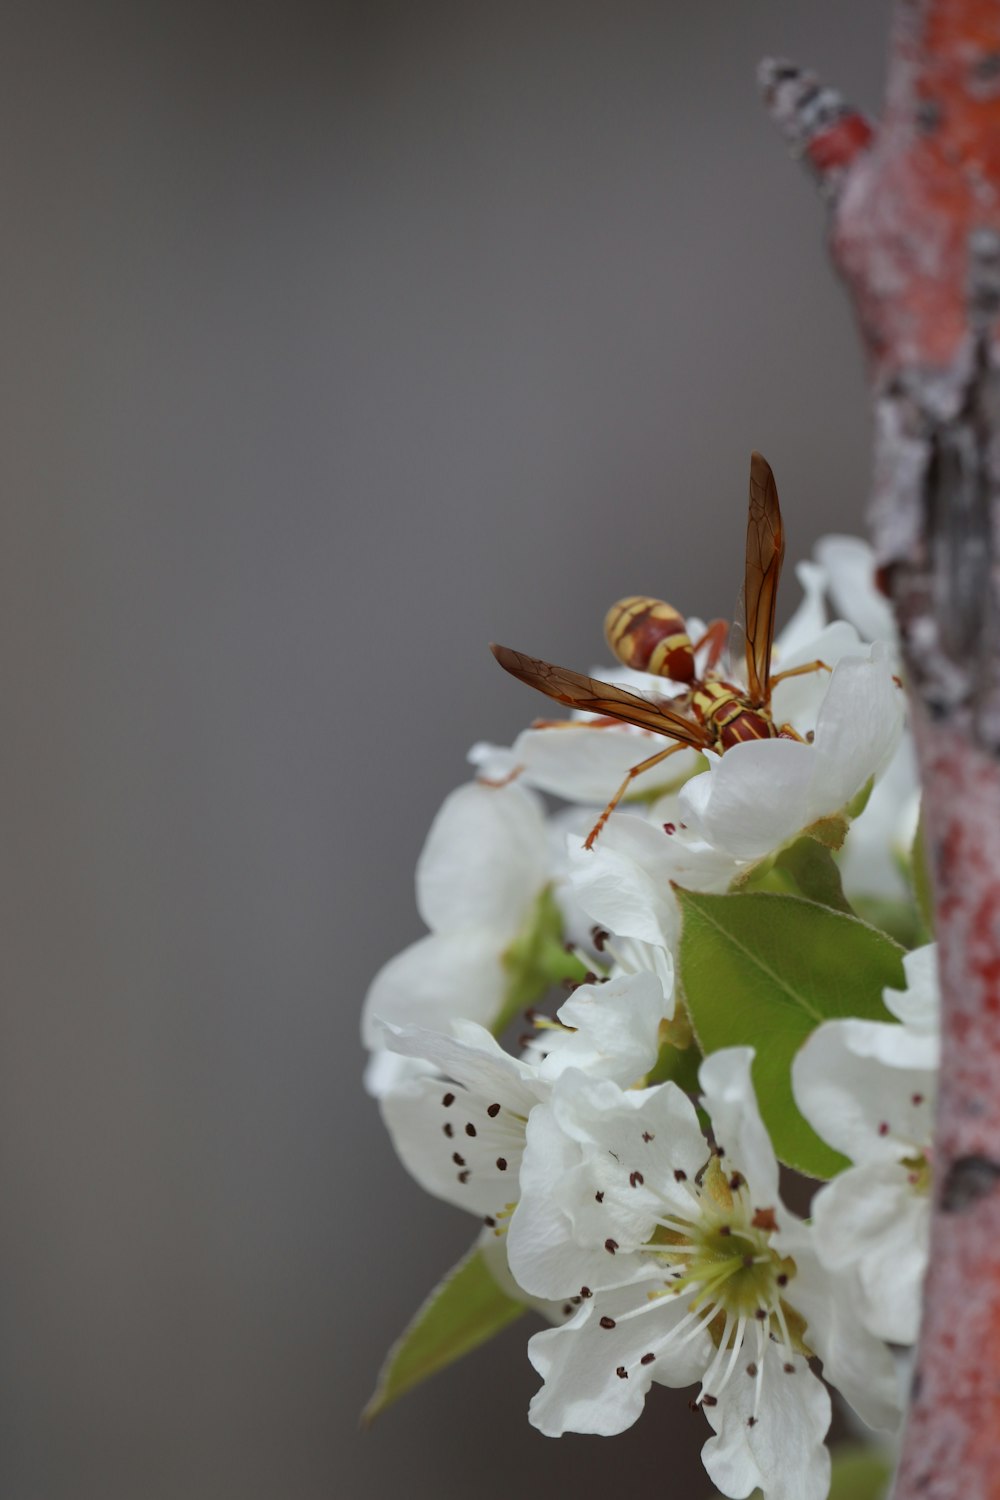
[
  {"x": 715, "y": 637},
  {"x": 809, "y": 666},
  {"x": 498, "y": 781},
  {"x": 644, "y": 765}
]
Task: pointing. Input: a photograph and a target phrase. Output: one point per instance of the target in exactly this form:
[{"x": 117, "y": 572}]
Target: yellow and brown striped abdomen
[
  {"x": 727, "y": 715},
  {"x": 650, "y": 636}
]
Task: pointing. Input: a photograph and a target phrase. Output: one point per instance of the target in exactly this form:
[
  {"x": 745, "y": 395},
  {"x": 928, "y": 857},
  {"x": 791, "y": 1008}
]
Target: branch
[{"x": 915, "y": 232}]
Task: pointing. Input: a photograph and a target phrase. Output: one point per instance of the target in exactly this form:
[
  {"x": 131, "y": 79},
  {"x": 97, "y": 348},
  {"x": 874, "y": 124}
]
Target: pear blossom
[
  {"x": 689, "y": 1268},
  {"x": 485, "y": 862},
  {"x": 869, "y": 1089},
  {"x": 459, "y": 1125}
]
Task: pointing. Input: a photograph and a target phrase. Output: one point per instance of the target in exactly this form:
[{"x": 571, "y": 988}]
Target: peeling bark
[{"x": 915, "y": 232}]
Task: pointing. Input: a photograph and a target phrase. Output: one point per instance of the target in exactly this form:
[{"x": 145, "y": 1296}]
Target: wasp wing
[
  {"x": 765, "y": 553},
  {"x": 595, "y": 697}
]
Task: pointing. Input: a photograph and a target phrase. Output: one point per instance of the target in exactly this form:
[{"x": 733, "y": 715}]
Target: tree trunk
[{"x": 916, "y": 235}]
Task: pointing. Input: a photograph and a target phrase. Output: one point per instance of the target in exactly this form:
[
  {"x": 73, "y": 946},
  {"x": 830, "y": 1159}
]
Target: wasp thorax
[{"x": 650, "y": 636}]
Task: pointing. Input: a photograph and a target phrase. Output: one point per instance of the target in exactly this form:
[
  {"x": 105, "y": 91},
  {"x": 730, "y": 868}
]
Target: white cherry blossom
[
  {"x": 689, "y": 1268},
  {"x": 869, "y": 1089}
]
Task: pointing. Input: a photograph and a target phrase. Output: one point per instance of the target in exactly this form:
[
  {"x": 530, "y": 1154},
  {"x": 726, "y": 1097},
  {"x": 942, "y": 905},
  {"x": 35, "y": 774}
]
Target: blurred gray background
[{"x": 336, "y": 341}]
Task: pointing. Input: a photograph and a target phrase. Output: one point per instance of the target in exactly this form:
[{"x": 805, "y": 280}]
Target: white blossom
[{"x": 689, "y": 1268}]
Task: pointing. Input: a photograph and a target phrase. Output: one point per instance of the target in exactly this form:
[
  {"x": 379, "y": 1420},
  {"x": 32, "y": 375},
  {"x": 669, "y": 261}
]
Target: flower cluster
[{"x": 740, "y": 948}]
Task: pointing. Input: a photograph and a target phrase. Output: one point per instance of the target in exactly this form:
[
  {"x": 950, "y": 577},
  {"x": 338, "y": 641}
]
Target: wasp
[{"x": 651, "y": 636}]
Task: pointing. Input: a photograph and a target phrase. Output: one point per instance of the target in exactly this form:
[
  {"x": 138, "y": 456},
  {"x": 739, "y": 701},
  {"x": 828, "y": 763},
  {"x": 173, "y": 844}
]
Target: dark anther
[
  {"x": 781, "y": 1279},
  {"x": 670, "y": 828},
  {"x": 751, "y": 1421},
  {"x": 448, "y": 1099},
  {"x": 611, "y": 1246},
  {"x": 621, "y": 1372},
  {"x": 448, "y": 1128},
  {"x": 647, "y": 1136},
  {"x": 635, "y": 1179},
  {"x": 709, "y": 1400},
  {"x": 751, "y": 1369},
  {"x": 501, "y": 1163},
  {"x": 607, "y": 1322},
  {"x": 788, "y": 1369},
  {"x": 585, "y": 1291},
  {"x": 490, "y": 1222},
  {"x": 463, "y": 1177},
  {"x": 680, "y": 1175},
  {"x": 493, "y": 1110},
  {"x": 470, "y": 1129},
  {"x": 458, "y": 1160},
  {"x": 599, "y": 1197},
  {"x": 599, "y": 936},
  {"x": 647, "y": 1359},
  {"x": 590, "y": 977},
  {"x": 736, "y": 1182},
  {"x": 761, "y": 1315}
]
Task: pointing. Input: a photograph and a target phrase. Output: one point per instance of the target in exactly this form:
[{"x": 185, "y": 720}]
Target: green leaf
[
  {"x": 860, "y": 1474},
  {"x": 764, "y": 971},
  {"x": 900, "y": 919},
  {"x": 815, "y": 872},
  {"x": 462, "y": 1312},
  {"x": 920, "y": 875},
  {"x": 536, "y": 960}
]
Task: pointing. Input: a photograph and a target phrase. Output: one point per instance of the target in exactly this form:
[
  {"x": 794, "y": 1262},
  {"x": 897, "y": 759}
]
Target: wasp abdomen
[
  {"x": 728, "y": 715},
  {"x": 650, "y": 636}
]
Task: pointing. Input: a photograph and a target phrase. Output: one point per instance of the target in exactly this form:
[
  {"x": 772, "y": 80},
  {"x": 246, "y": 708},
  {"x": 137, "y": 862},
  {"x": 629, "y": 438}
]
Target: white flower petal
[
  {"x": 855, "y": 1084},
  {"x": 614, "y": 1029},
  {"x": 918, "y": 1006},
  {"x": 587, "y": 762},
  {"x": 728, "y": 1092},
  {"x": 797, "y": 700},
  {"x": 459, "y": 1168},
  {"x": 854, "y": 1360},
  {"x": 869, "y": 1220},
  {"x": 484, "y": 860},
  {"x": 878, "y": 841},
  {"x": 753, "y": 798},
  {"x": 598, "y": 1172},
  {"x": 857, "y": 730},
  {"x": 579, "y": 1362},
  {"x": 810, "y": 615},
  {"x": 849, "y": 563},
  {"x": 623, "y": 882},
  {"x": 442, "y": 975},
  {"x": 779, "y": 1447}
]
